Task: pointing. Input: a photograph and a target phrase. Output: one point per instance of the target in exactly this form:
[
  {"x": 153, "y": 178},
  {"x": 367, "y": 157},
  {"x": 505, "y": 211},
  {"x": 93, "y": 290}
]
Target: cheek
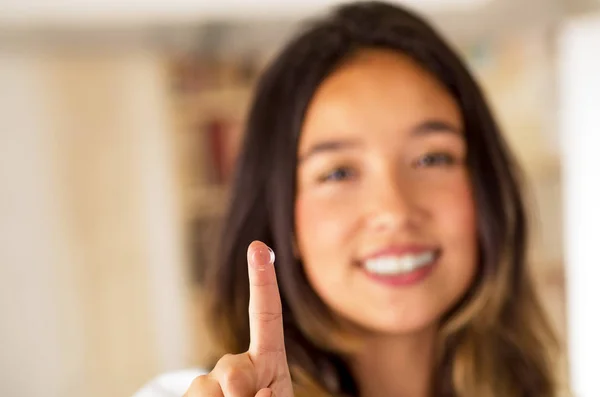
[
  {"x": 452, "y": 207},
  {"x": 316, "y": 225},
  {"x": 456, "y": 219},
  {"x": 322, "y": 230},
  {"x": 457, "y": 212}
]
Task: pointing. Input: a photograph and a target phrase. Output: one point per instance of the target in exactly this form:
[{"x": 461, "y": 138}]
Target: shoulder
[{"x": 171, "y": 384}]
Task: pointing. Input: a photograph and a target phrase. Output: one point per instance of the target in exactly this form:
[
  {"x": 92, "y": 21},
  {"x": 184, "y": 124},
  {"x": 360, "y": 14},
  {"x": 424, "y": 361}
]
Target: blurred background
[{"x": 119, "y": 123}]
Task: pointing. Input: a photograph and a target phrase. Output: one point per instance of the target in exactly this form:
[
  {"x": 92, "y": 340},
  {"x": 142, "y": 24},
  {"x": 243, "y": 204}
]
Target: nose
[{"x": 392, "y": 206}]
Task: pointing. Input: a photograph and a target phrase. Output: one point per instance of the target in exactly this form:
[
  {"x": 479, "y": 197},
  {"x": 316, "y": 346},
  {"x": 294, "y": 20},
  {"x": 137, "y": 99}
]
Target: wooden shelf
[{"x": 227, "y": 101}]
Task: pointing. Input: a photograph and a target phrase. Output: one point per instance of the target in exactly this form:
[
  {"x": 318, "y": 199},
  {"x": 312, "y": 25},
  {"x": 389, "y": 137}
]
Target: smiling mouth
[{"x": 391, "y": 265}]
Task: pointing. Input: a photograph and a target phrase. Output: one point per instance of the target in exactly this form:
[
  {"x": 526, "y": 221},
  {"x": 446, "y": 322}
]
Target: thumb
[{"x": 265, "y": 393}]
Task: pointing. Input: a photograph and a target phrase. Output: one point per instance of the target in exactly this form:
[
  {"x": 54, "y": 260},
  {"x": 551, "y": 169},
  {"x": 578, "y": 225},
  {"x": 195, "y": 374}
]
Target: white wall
[
  {"x": 36, "y": 299},
  {"x": 28, "y": 12},
  {"x": 93, "y": 297},
  {"x": 579, "y": 57}
]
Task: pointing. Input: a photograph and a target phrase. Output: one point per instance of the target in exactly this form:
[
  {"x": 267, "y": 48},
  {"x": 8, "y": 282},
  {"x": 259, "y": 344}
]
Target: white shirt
[{"x": 172, "y": 384}]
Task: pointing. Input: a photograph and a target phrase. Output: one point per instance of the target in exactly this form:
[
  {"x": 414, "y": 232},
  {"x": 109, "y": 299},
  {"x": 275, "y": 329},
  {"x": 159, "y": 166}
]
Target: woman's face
[{"x": 385, "y": 220}]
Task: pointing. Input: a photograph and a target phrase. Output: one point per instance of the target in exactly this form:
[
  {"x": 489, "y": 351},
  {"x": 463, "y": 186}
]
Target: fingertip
[
  {"x": 252, "y": 248},
  {"x": 260, "y": 255}
]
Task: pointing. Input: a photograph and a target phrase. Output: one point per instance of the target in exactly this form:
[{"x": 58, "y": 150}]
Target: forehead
[{"x": 377, "y": 90}]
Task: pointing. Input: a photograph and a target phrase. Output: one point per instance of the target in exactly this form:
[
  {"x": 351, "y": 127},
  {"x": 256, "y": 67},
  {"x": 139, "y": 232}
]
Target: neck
[{"x": 398, "y": 366}]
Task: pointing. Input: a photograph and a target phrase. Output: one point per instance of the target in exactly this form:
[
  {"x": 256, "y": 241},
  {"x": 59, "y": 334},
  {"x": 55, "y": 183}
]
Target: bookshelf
[{"x": 209, "y": 100}]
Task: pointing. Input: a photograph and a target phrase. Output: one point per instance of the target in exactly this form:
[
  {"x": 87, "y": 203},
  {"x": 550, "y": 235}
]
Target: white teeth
[{"x": 399, "y": 264}]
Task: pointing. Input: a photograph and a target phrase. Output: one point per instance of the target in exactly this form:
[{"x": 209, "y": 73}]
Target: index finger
[{"x": 266, "y": 325}]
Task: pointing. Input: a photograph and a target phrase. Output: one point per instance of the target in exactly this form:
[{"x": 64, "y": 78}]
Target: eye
[
  {"x": 338, "y": 174},
  {"x": 435, "y": 160}
]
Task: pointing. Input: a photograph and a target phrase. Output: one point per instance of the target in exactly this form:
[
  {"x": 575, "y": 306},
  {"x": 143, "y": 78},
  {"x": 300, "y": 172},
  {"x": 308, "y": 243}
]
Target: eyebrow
[
  {"x": 425, "y": 128},
  {"x": 436, "y": 126},
  {"x": 328, "y": 146}
]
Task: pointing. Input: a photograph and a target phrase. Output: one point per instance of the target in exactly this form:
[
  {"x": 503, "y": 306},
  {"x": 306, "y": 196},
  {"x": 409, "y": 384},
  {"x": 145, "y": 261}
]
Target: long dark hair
[{"x": 494, "y": 342}]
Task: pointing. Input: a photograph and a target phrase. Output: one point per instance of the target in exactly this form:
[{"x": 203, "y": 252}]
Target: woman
[{"x": 374, "y": 169}]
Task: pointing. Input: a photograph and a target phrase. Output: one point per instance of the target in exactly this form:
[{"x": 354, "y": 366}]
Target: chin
[{"x": 398, "y": 324}]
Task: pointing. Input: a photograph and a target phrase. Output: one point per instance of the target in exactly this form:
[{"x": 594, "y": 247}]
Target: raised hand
[{"x": 262, "y": 371}]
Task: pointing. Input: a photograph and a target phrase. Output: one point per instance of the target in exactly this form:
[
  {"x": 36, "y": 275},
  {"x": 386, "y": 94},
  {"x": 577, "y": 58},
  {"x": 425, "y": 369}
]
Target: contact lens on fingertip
[{"x": 271, "y": 256}]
